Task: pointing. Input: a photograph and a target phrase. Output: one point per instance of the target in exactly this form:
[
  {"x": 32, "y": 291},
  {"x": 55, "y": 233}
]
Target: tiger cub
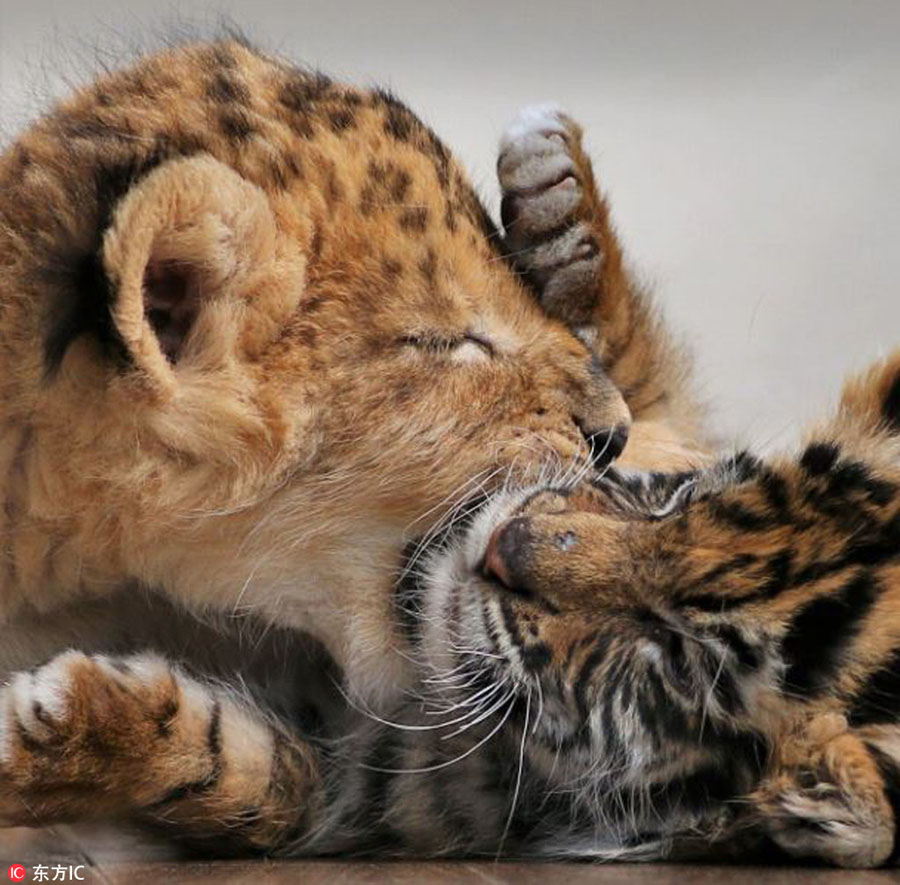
[{"x": 699, "y": 659}]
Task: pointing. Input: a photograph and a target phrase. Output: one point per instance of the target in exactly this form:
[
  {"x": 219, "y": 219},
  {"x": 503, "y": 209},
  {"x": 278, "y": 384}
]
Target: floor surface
[{"x": 101, "y": 857}]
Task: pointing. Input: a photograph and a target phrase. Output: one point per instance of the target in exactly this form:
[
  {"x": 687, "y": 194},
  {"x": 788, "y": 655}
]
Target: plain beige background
[{"x": 751, "y": 149}]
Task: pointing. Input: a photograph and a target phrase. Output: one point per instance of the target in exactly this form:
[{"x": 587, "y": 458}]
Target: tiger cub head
[
  {"x": 657, "y": 633},
  {"x": 256, "y": 331}
]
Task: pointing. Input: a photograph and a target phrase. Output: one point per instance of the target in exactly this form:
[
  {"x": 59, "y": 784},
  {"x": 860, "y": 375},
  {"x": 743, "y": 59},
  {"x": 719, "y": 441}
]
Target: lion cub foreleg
[
  {"x": 135, "y": 737},
  {"x": 560, "y": 236}
]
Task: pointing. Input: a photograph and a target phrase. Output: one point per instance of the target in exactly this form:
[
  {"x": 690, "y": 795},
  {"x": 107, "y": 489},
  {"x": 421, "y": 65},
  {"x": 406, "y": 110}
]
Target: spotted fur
[
  {"x": 273, "y": 309},
  {"x": 653, "y": 665}
]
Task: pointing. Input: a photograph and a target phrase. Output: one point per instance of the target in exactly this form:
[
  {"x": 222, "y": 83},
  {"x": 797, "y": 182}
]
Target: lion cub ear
[{"x": 200, "y": 272}]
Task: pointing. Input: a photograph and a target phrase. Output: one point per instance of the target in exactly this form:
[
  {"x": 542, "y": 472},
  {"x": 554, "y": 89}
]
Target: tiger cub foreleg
[
  {"x": 560, "y": 237},
  {"x": 834, "y": 793},
  {"x": 100, "y": 737}
]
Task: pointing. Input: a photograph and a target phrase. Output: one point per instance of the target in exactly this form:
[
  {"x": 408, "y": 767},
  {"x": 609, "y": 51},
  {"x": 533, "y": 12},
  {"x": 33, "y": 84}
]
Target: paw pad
[
  {"x": 544, "y": 179},
  {"x": 38, "y": 702}
]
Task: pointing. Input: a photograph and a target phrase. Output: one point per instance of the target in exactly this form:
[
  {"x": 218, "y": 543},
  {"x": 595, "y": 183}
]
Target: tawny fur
[{"x": 257, "y": 332}]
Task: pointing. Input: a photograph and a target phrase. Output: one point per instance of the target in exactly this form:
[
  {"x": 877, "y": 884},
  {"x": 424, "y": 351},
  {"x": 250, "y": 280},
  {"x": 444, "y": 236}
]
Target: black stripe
[
  {"x": 384, "y": 757},
  {"x": 775, "y": 489},
  {"x": 488, "y": 623},
  {"x": 577, "y": 645},
  {"x": 204, "y": 785},
  {"x": 511, "y": 623},
  {"x": 536, "y": 656},
  {"x": 778, "y": 573},
  {"x": 676, "y": 664},
  {"x": 748, "y": 656},
  {"x": 166, "y": 717},
  {"x": 645, "y": 704},
  {"x": 409, "y": 594},
  {"x": 878, "y": 701},
  {"x": 709, "y": 598},
  {"x": 743, "y": 466},
  {"x": 615, "y": 677},
  {"x": 721, "y": 679},
  {"x": 581, "y": 683},
  {"x": 187, "y": 790},
  {"x": 882, "y": 546},
  {"x": 878, "y": 545},
  {"x": 821, "y": 630},
  {"x": 214, "y": 733},
  {"x": 662, "y": 718},
  {"x": 775, "y": 579},
  {"x": 737, "y": 515},
  {"x": 851, "y": 476}
]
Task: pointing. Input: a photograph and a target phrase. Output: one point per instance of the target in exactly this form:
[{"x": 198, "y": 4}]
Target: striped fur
[{"x": 728, "y": 637}]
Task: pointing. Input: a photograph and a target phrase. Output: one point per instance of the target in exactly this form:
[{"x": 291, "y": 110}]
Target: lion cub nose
[
  {"x": 606, "y": 445},
  {"x": 507, "y": 552}
]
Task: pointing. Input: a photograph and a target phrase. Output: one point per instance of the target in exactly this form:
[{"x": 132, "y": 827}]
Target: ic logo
[{"x": 17, "y": 872}]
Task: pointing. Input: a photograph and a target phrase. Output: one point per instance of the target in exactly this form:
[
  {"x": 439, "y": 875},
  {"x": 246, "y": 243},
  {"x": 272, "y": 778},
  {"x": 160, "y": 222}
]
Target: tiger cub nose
[{"x": 506, "y": 553}]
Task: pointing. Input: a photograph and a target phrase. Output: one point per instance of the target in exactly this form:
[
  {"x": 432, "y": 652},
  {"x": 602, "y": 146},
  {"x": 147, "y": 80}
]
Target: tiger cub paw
[
  {"x": 548, "y": 205},
  {"x": 79, "y": 735},
  {"x": 828, "y": 800}
]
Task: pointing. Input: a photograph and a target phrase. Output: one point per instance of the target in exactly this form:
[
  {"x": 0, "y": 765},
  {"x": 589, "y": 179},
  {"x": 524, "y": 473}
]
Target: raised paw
[
  {"x": 86, "y": 735},
  {"x": 559, "y": 237},
  {"x": 827, "y": 800},
  {"x": 554, "y": 221}
]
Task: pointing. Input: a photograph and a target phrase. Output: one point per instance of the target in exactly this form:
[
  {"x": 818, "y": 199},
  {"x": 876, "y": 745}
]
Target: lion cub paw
[
  {"x": 80, "y": 735},
  {"x": 548, "y": 206},
  {"x": 827, "y": 799}
]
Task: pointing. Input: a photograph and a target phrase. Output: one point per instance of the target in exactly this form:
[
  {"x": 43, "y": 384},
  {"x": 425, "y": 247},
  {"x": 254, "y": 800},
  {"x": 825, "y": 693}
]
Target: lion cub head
[{"x": 255, "y": 335}]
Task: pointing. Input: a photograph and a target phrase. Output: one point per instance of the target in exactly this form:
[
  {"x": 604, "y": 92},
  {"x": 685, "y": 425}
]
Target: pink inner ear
[{"x": 171, "y": 304}]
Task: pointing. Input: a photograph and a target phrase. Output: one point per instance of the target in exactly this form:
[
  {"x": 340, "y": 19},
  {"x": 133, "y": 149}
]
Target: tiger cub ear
[{"x": 199, "y": 271}]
